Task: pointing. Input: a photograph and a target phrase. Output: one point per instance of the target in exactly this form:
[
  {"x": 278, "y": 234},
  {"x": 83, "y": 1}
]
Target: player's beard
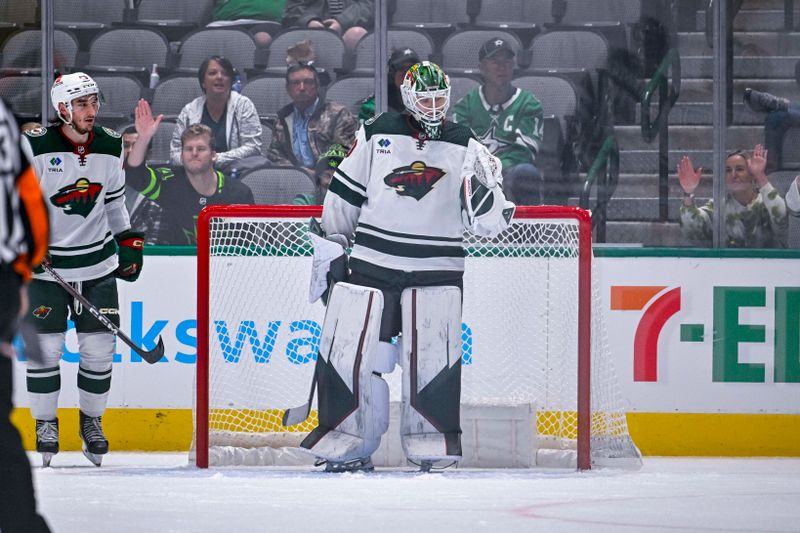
[{"x": 80, "y": 129}]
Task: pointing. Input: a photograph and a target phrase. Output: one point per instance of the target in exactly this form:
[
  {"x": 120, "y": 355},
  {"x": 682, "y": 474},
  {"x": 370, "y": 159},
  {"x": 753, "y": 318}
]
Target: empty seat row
[
  {"x": 136, "y": 50},
  {"x": 198, "y": 12}
]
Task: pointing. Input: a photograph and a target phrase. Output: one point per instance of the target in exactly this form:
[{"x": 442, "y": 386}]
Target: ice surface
[{"x": 159, "y": 492}]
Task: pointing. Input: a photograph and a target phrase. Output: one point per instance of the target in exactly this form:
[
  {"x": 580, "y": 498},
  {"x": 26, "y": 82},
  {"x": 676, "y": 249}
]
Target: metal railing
[{"x": 668, "y": 91}]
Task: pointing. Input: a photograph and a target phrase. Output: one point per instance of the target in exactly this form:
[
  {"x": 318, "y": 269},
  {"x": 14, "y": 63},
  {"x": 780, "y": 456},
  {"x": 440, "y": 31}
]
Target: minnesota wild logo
[
  {"x": 77, "y": 199},
  {"x": 42, "y": 311},
  {"x": 415, "y": 180}
]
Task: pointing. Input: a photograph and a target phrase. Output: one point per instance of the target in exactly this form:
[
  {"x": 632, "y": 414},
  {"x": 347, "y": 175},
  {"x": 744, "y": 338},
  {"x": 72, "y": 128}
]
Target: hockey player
[
  {"x": 79, "y": 165},
  {"x": 402, "y": 198},
  {"x": 23, "y": 243}
]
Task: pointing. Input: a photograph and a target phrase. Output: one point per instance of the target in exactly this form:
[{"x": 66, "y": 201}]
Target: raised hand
[
  {"x": 758, "y": 164},
  {"x": 146, "y": 125},
  {"x": 688, "y": 177}
]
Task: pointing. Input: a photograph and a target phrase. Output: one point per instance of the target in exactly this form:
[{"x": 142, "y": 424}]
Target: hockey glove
[
  {"x": 481, "y": 164},
  {"x": 130, "y": 248},
  {"x": 329, "y": 265}
]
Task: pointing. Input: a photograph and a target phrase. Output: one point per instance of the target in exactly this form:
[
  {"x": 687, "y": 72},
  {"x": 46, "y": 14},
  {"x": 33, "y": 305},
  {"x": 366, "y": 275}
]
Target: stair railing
[{"x": 668, "y": 91}]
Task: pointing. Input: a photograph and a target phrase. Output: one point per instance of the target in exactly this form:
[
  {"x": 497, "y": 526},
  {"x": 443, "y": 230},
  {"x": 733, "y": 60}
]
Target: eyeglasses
[{"x": 299, "y": 83}]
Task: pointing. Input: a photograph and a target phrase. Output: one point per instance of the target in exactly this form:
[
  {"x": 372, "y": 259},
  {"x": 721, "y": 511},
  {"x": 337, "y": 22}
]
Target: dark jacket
[{"x": 356, "y": 13}]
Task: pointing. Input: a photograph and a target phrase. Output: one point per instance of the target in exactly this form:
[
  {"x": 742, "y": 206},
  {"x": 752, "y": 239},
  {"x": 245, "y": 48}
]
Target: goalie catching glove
[
  {"x": 485, "y": 210},
  {"x": 130, "y": 249},
  {"x": 479, "y": 162}
]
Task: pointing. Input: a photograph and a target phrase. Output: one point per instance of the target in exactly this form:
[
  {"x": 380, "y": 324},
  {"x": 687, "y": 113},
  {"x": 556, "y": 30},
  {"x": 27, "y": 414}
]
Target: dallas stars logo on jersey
[
  {"x": 77, "y": 199},
  {"x": 415, "y": 180}
]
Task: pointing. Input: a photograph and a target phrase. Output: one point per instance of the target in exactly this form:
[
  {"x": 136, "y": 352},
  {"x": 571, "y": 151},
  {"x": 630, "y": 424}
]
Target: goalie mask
[
  {"x": 67, "y": 88},
  {"x": 426, "y": 95}
]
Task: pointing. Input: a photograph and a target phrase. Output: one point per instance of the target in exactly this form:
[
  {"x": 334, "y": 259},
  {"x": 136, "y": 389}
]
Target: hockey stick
[
  {"x": 295, "y": 415},
  {"x": 152, "y": 356}
]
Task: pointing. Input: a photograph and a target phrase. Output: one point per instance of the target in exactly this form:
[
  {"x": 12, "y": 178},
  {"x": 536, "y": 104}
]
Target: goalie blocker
[{"x": 353, "y": 398}]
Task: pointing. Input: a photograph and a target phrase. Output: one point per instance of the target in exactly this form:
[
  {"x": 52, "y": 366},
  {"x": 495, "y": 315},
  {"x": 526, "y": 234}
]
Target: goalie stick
[
  {"x": 295, "y": 415},
  {"x": 153, "y": 356}
]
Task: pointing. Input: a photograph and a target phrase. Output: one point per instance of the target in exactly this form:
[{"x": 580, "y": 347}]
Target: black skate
[
  {"x": 47, "y": 439},
  {"x": 359, "y": 465},
  {"x": 95, "y": 444},
  {"x": 427, "y": 466}
]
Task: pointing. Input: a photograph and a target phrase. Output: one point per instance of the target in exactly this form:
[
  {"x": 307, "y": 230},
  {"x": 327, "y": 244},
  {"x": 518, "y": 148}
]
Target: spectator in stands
[
  {"x": 399, "y": 62},
  {"x": 323, "y": 173},
  {"x": 145, "y": 214},
  {"x": 181, "y": 191},
  {"x": 782, "y": 114},
  {"x": 251, "y": 14},
  {"x": 232, "y": 118},
  {"x": 351, "y": 19},
  {"x": 508, "y": 120},
  {"x": 755, "y": 212},
  {"x": 309, "y": 125}
]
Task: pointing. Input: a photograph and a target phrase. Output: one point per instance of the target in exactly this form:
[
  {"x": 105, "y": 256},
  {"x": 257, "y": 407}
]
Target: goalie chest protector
[{"x": 408, "y": 189}]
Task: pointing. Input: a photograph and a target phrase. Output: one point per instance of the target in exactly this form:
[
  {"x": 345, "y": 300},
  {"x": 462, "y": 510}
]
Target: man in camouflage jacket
[{"x": 326, "y": 123}]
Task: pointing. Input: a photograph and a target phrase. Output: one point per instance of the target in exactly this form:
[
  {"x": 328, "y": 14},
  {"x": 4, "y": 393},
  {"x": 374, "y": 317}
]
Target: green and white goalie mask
[{"x": 426, "y": 95}]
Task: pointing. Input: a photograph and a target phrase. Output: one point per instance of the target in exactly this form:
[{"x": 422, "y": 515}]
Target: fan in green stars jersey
[{"x": 508, "y": 120}]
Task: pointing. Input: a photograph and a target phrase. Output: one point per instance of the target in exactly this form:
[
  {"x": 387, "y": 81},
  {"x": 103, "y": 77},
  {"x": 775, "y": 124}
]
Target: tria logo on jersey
[
  {"x": 55, "y": 163},
  {"x": 77, "y": 199},
  {"x": 416, "y": 180},
  {"x": 384, "y": 146}
]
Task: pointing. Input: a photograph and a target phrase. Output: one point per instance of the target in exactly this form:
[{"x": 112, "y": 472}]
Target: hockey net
[{"x": 538, "y": 381}]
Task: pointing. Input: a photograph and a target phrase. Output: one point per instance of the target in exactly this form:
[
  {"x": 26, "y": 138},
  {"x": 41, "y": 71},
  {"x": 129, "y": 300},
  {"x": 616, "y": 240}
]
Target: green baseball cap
[{"x": 332, "y": 157}]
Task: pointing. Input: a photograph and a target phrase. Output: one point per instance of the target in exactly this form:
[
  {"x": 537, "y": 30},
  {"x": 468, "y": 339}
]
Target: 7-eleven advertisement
[{"x": 705, "y": 335}]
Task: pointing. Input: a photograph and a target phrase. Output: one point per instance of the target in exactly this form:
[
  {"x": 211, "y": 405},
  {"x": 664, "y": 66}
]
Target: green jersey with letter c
[{"x": 512, "y": 130}]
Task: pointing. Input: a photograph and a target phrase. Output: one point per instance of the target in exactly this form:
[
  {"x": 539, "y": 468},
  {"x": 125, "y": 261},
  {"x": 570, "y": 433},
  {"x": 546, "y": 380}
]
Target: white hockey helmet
[
  {"x": 427, "y": 81},
  {"x": 68, "y": 87}
]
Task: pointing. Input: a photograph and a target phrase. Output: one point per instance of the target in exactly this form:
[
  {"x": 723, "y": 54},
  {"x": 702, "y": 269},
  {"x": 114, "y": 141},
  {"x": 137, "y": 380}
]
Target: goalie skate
[
  {"x": 47, "y": 440},
  {"x": 359, "y": 465},
  {"x": 94, "y": 443}
]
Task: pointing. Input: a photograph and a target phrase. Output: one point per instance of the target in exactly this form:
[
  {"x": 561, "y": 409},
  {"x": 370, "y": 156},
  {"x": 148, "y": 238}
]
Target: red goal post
[{"x": 230, "y": 234}]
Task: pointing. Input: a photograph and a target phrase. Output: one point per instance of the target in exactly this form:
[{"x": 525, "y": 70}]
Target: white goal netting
[{"x": 520, "y": 342}]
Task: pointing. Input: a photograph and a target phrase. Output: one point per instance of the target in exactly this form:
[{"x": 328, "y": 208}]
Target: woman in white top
[{"x": 232, "y": 117}]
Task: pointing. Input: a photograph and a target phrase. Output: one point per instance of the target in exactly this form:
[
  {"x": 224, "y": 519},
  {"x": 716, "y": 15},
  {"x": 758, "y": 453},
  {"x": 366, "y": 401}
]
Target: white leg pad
[
  {"x": 353, "y": 402},
  {"x": 431, "y": 360}
]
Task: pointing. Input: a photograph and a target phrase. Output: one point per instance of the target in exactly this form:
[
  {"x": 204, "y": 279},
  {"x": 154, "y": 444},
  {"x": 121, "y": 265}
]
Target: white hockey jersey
[
  {"x": 400, "y": 193},
  {"x": 84, "y": 188}
]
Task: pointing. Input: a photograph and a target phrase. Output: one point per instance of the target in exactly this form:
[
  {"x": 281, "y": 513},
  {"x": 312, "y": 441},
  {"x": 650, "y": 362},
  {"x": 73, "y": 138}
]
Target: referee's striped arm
[{"x": 24, "y": 226}]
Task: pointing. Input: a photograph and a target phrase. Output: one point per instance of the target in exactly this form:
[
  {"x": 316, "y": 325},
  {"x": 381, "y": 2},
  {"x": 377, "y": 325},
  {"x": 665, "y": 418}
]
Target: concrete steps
[
  {"x": 753, "y": 20},
  {"x": 693, "y": 113},
  {"x": 685, "y": 137},
  {"x": 743, "y": 67},
  {"x": 645, "y": 233},
  {"x": 754, "y": 44}
]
